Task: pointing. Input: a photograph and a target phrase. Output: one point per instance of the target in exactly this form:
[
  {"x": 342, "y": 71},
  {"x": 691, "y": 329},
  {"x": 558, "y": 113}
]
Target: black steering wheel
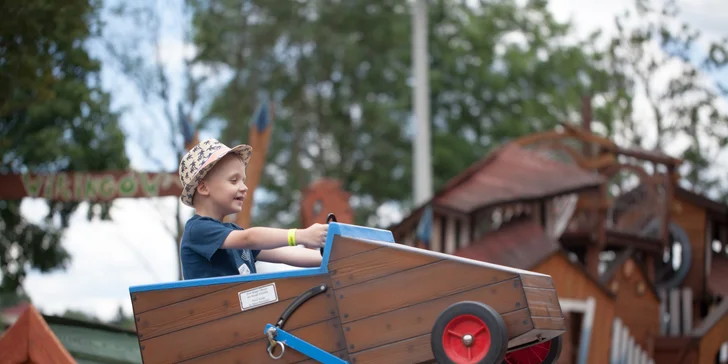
[{"x": 331, "y": 217}]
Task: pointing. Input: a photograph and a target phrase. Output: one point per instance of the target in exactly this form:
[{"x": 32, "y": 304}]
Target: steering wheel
[{"x": 331, "y": 217}]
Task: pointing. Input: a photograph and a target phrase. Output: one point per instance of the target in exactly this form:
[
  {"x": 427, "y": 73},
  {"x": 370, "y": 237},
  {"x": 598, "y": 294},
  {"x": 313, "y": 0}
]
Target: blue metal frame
[
  {"x": 303, "y": 347},
  {"x": 335, "y": 228}
]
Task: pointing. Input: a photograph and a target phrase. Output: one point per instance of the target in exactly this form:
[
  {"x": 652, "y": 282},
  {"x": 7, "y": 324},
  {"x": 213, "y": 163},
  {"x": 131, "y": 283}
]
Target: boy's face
[{"x": 225, "y": 184}]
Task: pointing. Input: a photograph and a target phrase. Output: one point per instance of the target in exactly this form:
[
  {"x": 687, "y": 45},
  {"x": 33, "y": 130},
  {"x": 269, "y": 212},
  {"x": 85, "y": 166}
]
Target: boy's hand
[{"x": 313, "y": 236}]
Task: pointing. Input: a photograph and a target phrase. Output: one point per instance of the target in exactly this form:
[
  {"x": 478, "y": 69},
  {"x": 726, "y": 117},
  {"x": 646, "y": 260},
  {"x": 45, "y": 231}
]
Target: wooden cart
[{"x": 371, "y": 301}]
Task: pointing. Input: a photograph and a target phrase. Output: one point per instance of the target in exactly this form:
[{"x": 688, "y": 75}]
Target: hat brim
[{"x": 188, "y": 191}]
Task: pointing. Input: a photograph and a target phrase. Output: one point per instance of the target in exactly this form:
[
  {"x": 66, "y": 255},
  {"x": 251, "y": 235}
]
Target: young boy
[{"x": 213, "y": 180}]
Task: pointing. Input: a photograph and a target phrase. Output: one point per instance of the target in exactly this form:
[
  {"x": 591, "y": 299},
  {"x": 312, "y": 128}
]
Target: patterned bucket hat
[{"x": 200, "y": 159}]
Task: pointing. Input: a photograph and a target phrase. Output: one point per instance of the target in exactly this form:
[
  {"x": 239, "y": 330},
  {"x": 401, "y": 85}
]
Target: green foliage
[
  {"x": 340, "y": 71},
  {"x": 651, "y": 45},
  {"x": 53, "y": 117}
]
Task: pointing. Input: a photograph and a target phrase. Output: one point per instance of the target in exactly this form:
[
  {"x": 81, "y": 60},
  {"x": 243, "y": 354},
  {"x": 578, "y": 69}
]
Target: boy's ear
[{"x": 202, "y": 188}]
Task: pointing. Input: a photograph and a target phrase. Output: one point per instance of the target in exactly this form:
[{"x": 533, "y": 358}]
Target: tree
[
  {"x": 671, "y": 65},
  {"x": 134, "y": 42},
  {"x": 54, "y": 117},
  {"x": 340, "y": 72}
]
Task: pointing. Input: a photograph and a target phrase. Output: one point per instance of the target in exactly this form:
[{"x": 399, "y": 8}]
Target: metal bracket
[{"x": 283, "y": 338}]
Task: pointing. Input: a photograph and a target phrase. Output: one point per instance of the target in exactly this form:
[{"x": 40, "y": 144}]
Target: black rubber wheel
[
  {"x": 546, "y": 352},
  {"x": 469, "y": 333}
]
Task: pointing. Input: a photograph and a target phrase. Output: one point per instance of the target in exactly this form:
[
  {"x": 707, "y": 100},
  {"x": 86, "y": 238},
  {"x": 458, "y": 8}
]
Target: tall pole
[{"x": 422, "y": 176}]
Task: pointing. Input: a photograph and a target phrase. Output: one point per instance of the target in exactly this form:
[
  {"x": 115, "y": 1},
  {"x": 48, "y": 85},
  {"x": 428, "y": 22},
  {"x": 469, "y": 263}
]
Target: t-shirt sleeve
[{"x": 208, "y": 237}]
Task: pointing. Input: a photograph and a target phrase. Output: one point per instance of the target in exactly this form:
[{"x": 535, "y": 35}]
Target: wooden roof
[
  {"x": 712, "y": 206},
  {"x": 30, "y": 340},
  {"x": 510, "y": 174},
  {"x": 521, "y": 244}
]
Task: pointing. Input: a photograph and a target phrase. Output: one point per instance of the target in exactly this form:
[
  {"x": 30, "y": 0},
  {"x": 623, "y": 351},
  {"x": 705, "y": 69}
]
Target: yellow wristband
[{"x": 292, "y": 237}]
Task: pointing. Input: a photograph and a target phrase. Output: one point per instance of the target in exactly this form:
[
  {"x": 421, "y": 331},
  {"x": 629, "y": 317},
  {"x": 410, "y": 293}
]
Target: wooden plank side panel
[
  {"x": 375, "y": 263},
  {"x": 416, "y": 320},
  {"x": 325, "y": 335},
  {"x": 414, "y": 350},
  {"x": 543, "y": 302},
  {"x": 549, "y": 323},
  {"x": 149, "y": 300},
  {"x": 234, "y": 330},
  {"x": 342, "y": 354},
  {"x": 413, "y": 286},
  {"x": 537, "y": 281},
  {"x": 215, "y": 305},
  {"x": 345, "y": 247}
]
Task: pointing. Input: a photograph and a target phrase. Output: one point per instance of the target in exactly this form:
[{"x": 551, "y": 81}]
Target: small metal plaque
[{"x": 258, "y": 296}]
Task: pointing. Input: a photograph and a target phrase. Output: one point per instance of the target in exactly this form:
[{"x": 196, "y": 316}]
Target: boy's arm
[
  {"x": 298, "y": 257},
  {"x": 264, "y": 238}
]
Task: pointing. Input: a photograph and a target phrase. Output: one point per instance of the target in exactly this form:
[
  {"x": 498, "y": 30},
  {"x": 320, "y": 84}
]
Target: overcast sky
[{"x": 136, "y": 247}]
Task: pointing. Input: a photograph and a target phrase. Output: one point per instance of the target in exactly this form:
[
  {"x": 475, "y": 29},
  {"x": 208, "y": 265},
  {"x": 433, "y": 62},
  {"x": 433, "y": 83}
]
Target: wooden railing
[
  {"x": 624, "y": 349},
  {"x": 676, "y": 312}
]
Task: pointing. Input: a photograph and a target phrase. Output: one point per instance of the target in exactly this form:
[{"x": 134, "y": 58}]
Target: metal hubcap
[{"x": 468, "y": 340}]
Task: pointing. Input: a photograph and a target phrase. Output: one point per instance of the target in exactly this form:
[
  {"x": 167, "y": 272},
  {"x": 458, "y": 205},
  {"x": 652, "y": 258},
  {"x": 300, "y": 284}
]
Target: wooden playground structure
[{"x": 640, "y": 264}]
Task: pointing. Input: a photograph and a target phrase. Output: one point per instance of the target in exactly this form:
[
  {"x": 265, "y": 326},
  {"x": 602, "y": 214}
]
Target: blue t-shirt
[{"x": 201, "y": 255}]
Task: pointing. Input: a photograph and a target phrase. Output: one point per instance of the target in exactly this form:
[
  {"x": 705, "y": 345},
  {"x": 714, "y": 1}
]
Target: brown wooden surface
[
  {"x": 543, "y": 302},
  {"x": 30, "y": 340},
  {"x": 221, "y": 304},
  {"x": 418, "y": 319},
  {"x": 572, "y": 282},
  {"x": 389, "y": 298},
  {"x": 676, "y": 350},
  {"x": 346, "y": 247},
  {"x": 640, "y": 312},
  {"x": 174, "y": 332},
  {"x": 149, "y": 300},
  {"x": 413, "y": 286},
  {"x": 412, "y": 350},
  {"x": 376, "y": 263},
  {"x": 325, "y": 335}
]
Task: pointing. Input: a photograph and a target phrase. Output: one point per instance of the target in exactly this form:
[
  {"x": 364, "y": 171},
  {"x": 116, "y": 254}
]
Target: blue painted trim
[
  {"x": 304, "y": 347},
  {"x": 335, "y": 228}
]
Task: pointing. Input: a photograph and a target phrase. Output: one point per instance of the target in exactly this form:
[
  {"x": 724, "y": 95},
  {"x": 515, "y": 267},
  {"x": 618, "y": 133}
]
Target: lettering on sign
[
  {"x": 92, "y": 186},
  {"x": 258, "y": 296}
]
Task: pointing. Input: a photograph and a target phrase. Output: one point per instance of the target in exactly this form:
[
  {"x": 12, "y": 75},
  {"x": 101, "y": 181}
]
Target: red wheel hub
[
  {"x": 534, "y": 354},
  {"x": 466, "y": 339}
]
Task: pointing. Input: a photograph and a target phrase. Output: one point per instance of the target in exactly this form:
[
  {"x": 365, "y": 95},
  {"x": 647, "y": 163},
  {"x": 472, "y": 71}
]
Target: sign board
[
  {"x": 89, "y": 186},
  {"x": 259, "y": 296}
]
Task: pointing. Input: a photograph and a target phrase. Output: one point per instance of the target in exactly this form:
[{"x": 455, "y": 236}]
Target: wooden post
[
  {"x": 687, "y": 310},
  {"x": 435, "y": 235},
  {"x": 708, "y": 246},
  {"x": 259, "y": 138},
  {"x": 674, "y": 312},
  {"x": 465, "y": 232},
  {"x": 450, "y": 243},
  {"x": 663, "y": 311},
  {"x": 665, "y": 232}
]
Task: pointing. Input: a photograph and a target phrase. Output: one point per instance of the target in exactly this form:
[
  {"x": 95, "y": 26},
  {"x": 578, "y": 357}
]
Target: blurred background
[{"x": 325, "y": 90}]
